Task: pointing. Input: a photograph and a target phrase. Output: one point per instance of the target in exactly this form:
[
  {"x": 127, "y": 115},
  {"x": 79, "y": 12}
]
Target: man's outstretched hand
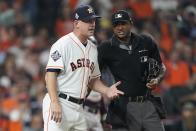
[{"x": 113, "y": 92}]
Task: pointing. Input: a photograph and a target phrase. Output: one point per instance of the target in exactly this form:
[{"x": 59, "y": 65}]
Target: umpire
[{"x": 127, "y": 55}]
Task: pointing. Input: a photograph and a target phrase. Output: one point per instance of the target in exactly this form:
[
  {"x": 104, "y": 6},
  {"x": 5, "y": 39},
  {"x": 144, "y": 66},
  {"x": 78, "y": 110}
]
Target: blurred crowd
[{"x": 29, "y": 27}]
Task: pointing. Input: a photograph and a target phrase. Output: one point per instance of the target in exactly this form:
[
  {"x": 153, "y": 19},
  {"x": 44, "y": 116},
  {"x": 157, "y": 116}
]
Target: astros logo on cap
[{"x": 90, "y": 10}]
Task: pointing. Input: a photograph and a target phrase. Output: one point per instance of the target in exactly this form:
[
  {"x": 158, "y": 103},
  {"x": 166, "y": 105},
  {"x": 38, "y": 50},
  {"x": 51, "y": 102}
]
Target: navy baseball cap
[
  {"x": 85, "y": 13},
  {"x": 121, "y": 16}
]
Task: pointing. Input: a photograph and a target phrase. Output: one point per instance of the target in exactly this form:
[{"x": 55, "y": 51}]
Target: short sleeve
[
  {"x": 153, "y": 48},
  {"x": 55, "y": 60},
  {"x": 155, "y": 52}
]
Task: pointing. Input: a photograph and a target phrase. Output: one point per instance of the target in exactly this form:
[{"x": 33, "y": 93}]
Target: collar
[{"x": 133, "y": 42}]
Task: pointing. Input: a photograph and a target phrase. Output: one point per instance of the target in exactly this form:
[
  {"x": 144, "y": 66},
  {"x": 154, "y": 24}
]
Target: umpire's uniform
[{"x": 133, "y": 111}]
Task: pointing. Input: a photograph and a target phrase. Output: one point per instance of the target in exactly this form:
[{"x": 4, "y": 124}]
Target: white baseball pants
[{"x": 73, "y": 118}]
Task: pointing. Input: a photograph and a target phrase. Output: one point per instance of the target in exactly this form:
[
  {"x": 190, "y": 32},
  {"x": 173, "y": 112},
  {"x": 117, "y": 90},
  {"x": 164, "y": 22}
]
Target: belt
[
  {"x": 139, "y": 99},
  {"x": 72, "y": 99}
]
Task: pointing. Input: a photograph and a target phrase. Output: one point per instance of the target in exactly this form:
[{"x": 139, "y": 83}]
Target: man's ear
[{"x": 76, "y": 23}]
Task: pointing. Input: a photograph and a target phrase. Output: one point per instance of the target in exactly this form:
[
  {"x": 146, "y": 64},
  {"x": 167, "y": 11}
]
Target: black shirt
[{"x": 128, "y": 63}]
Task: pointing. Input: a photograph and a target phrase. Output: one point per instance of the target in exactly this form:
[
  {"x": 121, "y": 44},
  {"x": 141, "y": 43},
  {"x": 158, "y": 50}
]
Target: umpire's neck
[{"x": 125, "y": 40}]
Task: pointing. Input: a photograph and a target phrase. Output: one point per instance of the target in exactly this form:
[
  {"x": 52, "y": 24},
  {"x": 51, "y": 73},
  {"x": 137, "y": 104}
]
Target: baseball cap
[
  {"x": 121, "y": 16},
  {"x": 85, "y": 13}
]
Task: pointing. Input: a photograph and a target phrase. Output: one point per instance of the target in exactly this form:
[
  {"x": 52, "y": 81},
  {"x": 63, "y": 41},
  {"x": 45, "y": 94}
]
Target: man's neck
[{"x": 82, "y": 38}]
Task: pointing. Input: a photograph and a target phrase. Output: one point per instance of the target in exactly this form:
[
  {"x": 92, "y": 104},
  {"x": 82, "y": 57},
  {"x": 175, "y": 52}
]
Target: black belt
[
  {"x": 72, "y": 99},
  {"x": 137, "y": 99}
]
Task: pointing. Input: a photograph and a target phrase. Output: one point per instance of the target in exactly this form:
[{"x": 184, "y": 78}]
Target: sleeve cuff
[{"x": 53, "y": 70}]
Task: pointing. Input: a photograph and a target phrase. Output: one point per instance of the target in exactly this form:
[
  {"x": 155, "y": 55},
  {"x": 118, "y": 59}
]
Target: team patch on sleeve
[{"x": 55, "y": 55}]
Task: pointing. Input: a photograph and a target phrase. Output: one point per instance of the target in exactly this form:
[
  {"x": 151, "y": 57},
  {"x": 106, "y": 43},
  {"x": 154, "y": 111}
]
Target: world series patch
[{"x": 55, "y": 55}]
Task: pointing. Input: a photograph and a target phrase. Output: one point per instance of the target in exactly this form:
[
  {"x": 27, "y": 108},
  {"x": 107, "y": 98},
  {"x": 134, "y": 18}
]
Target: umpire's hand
[
  {"x": 113, "y": 92},
  {"x": 152, "y": 84},
  {"x": 56, "y": 112}
]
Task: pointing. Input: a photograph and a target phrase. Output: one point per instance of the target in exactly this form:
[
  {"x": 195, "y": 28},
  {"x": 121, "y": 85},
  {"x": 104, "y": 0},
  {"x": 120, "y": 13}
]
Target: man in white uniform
[{"x": 71, "y": 69}]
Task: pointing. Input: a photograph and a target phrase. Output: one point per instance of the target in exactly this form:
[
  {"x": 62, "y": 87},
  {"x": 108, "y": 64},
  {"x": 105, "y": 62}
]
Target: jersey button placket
[{"x": 84, "y": 70}]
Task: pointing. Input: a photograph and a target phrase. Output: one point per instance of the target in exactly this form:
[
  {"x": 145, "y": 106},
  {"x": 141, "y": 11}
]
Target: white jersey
[{"x": 78, "y": 64}]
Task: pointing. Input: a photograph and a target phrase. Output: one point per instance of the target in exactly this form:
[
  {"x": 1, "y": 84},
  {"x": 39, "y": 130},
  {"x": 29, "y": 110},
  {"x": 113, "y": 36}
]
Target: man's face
[
  {"x": 87, "y": 28},
  {"x": 122, "y": 29}
]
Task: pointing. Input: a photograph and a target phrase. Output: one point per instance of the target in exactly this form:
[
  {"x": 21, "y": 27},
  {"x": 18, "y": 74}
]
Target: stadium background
[{"x": 29, "y": 27}]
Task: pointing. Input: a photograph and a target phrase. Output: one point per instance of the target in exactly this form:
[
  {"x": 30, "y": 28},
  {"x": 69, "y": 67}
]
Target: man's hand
[
  {"x": 113, "y": 92},
  {"x": 56, "y": 112},
  {"x": 152, "y": 84}
]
